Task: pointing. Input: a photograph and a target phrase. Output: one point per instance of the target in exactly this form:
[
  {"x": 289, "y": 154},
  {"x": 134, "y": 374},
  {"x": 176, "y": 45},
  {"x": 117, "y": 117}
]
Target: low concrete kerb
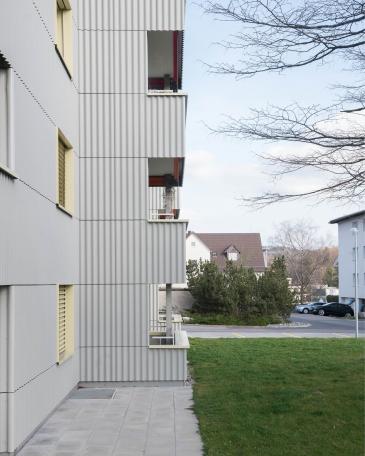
[{"x": 290, "y": 325}]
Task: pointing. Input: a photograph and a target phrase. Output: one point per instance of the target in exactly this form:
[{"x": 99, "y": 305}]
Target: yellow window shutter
[
  {"x": 65, "y": 323},
  {"x": 61, "y": 173}
]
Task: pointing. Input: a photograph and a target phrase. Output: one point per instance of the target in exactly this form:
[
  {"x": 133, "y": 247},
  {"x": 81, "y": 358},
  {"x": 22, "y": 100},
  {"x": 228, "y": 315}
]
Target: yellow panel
[{"x": 65, "y": 323}]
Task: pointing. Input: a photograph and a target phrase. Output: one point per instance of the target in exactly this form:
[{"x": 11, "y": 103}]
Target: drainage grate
[{"x": 93, "y": 393}]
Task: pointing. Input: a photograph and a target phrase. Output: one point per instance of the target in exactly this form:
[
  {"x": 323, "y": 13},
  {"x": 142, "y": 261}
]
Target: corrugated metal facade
[
  {"x": 132, "y": 14},
  {"x": 127, "y": 125},
  {"x": 123, "y": 255}
]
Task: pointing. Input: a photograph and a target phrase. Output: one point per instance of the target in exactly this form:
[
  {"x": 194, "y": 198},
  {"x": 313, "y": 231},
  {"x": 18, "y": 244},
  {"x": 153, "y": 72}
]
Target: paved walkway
[{"x": 131, "y": 421}]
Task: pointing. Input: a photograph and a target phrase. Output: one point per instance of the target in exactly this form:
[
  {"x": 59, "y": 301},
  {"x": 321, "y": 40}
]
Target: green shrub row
[{"x": 238, "y": 292}]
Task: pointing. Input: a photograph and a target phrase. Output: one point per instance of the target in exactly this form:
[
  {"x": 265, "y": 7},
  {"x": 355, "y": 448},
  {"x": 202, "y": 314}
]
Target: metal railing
[{"x": 158, "y": 333}]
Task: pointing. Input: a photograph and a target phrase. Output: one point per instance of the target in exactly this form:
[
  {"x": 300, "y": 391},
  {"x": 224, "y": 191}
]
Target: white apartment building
[
  {"x": 346, "y": 260},
  {"x": 92, "y": 146}
]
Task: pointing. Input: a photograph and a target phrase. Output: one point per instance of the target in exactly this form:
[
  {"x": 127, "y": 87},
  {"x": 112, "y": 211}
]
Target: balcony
[
  {"x": 164, "y": 204},
  {"x": 161, "y": 337},
  {"x": 165, "y": 60}
]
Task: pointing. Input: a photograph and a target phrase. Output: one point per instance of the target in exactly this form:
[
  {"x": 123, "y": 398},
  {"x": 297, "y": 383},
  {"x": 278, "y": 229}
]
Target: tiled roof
[{"x": 248, "y": 244}]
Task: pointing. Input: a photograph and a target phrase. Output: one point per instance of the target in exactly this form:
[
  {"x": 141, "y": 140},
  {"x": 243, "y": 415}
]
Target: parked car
[
  {"x": 308, "y": 307},
  {"x": 334, "y": 308}
]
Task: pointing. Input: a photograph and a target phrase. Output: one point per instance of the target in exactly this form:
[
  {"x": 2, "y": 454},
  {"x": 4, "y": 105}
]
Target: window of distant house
[
  {"x": 232, "y": 256},
  {"x": 6, "y": 119},
  {"x": 65, "y": 174},
  {"x": 65, "y": 323},
  {"x": 354, "y": 224},
  {"x": 363, "y": 225},
  {"x": 214, "y": 254},
  {"x": 64, "y": 44},
  {"x": 193, "y": 244}
]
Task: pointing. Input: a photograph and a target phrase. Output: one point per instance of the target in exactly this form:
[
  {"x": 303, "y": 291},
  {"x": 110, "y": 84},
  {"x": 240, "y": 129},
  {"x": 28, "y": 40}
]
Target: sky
[{"x": 219, "y": 170}]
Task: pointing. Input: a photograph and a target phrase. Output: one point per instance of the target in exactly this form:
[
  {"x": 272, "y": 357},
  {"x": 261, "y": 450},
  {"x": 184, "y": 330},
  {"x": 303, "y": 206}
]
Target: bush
[{"x": 238, "y": 293}]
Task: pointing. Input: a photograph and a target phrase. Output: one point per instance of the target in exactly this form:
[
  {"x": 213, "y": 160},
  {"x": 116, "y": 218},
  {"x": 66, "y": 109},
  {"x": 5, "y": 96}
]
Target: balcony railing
[
  {"x": 158, "y": 333},
  {"x": 159, "y": 209}
]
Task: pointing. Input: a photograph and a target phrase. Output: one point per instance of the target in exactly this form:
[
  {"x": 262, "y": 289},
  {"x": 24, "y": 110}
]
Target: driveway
[
  {"x": 311, "y": 326},
  {"x": 130, "y": 421}
]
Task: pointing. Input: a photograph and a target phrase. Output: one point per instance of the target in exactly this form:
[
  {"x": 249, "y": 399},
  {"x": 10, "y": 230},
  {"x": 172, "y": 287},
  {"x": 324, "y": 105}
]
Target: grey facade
[
  {"x": 128, "y": 138},
  {"x": 346, "y": 258}
]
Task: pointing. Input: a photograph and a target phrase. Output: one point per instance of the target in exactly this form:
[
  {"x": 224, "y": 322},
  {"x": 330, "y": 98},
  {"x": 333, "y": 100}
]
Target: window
[
  {"x": 65, "y": 323},
  {"x": 65, "y": 198},
  {"x": 232, "y": 256},
  {"x": 193, "y": 244},
  {"x": 64, "y": 33},
  {"x": 214, "y": 254},
  {"x": 354, "y": 224},
  {"x": 6, "y": 118}
]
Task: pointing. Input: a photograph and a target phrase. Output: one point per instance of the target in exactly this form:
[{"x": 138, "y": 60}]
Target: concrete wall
[
  {"x": 38, "y": 242},
  {"x": 346, "y": 258}
]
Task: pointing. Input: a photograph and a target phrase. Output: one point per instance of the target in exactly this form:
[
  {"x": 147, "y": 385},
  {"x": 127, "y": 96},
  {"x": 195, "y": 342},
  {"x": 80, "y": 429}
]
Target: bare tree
[
  {"x": 305, "y": 254},
  {"x": 278, "y": 35}
]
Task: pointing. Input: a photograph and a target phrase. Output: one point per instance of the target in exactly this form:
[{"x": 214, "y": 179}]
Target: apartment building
[
  {"x": 351, "y": 231},
  {"x": 92, "y": 145}
]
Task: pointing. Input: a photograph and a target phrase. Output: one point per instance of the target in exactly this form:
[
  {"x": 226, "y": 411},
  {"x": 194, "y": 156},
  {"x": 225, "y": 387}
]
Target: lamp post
[{"x": 355, "y": 233}]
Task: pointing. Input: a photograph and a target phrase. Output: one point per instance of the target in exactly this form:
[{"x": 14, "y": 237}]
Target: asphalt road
[{"x": 312, "y": 326}]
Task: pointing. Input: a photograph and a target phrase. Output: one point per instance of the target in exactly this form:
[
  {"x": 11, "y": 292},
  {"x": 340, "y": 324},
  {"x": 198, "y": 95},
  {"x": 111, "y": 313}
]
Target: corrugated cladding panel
[
  {"x": 132, "y": 125},
  {"x": 113, "y": 62},
  {"x": 113, "y": 188},
  {"x": 122, "y": 252},
  {"x": 132, "y": 14},
  {"x": 124, "y": 364},
  {"x": 113, "y": 252},
  {"x": 166, "y": 258},
  {"x": 114, "y": 315}
]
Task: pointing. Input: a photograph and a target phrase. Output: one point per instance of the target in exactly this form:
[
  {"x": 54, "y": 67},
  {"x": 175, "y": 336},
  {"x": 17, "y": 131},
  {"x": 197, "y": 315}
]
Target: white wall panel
[
  {"x": 113, "y": 315},
  {"x": 38, "y": 242},
  {"x": 125, "y": 364},
  {"x": 132, "y": 125},
  {"x": 3, "y": 422},
  {"x": 113, "y": 188},
  {"x": 4, "y": 338},
  {"x": 113, "y": 62},
  {"x": 34, "y": 59},
  {"x": 132, "y": 14}
]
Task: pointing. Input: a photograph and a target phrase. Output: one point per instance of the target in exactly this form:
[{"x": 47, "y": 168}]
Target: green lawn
[{"x": 279, "y": 397}]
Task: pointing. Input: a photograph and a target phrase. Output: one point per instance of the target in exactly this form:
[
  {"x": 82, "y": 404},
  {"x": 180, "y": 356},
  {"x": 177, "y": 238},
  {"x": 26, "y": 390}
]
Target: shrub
[{"x": 237, "y": 292}]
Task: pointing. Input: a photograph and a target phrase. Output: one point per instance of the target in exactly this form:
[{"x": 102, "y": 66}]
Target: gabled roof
[
  {"x": 247, "y": 244},
  {"x": 347, "y": 217}
]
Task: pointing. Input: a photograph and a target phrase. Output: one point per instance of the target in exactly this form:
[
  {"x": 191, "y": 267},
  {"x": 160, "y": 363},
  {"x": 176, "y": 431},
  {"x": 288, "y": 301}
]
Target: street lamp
[{"x": 355, "y": 233}]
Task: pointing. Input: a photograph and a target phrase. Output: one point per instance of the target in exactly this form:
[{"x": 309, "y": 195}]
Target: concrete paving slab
[{"x": 133, "y": 421}]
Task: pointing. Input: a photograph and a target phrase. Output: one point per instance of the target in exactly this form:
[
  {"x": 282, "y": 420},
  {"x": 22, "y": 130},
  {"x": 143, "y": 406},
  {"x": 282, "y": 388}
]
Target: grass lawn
[{"x": 279, "y": 397}]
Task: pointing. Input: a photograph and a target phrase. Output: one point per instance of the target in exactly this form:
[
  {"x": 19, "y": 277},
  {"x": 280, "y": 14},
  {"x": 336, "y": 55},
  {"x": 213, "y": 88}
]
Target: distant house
[
  {"x": 346, "y": 259},
  {"x": 241, "y": 248}
]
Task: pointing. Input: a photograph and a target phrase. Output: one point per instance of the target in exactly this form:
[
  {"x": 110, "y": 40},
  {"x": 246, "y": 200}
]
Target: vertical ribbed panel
[
  {"x": 166, "y": 261},
  {"x": 4, "y": 293},
  {"x": 114, "y": 315},
  {"x": 132, "y": 125},
  {"x": 113, "y": 62},
  {"x": 113, "y": 188},
  {"x": 165, "y": 135},
  {"x": 132, "y": 14},
  {"x": 125, "y": 364},
  {"x": 113, "y": 252}
]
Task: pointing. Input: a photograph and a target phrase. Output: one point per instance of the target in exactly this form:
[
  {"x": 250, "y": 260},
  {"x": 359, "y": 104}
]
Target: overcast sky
[{"x": 219, "y": 169}]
